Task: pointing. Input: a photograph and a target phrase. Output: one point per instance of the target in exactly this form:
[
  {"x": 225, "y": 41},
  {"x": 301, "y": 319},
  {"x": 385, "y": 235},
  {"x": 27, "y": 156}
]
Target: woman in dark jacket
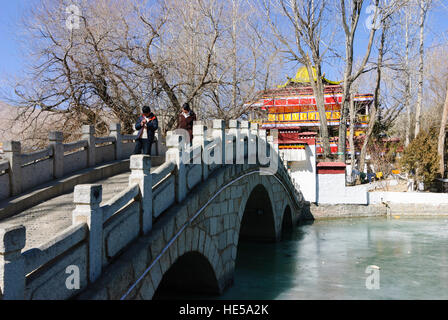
[{"x": 186, "y": 118}]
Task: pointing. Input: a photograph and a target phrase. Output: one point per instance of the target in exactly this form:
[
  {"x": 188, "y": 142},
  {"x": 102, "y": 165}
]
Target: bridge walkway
[{"x": 45, "y": 220}]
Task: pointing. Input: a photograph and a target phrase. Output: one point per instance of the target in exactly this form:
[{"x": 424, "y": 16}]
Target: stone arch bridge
[{"x": 174, "y": 228}]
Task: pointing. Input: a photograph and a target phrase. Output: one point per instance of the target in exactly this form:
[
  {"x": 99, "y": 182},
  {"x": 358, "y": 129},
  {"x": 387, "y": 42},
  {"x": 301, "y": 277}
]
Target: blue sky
[
  {"x": 10, "y": 15},
  {"x": 12, "y": 60}
]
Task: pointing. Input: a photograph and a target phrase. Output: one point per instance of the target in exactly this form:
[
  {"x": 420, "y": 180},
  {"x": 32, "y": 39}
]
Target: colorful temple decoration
[{"x": 292, "y": 109}]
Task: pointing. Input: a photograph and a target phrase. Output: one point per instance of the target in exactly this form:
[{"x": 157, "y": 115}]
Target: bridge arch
[
  {"x": 257, "y": 215},
  {"x": 196, "y": 268},
  {"x": 287, "y": 219},
  {"x": 192, "y": 273}
]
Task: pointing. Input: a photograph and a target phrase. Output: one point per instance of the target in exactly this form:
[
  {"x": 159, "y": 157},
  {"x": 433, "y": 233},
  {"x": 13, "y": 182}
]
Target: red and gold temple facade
[{"x": 292, "y": 110}]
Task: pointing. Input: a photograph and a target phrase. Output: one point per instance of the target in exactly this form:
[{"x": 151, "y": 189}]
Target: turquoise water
[{"x": 328, "y": 260}]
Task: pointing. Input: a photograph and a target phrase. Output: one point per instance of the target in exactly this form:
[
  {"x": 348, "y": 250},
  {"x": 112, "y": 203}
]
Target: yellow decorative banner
[{"x": 303, "y": 116}]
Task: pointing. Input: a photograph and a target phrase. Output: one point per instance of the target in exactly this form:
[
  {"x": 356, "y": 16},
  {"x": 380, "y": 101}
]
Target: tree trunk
[
  {"x": 375, "y": 106},
  {"x": 343, "y": 128},
  {"x": 442, "y": 134},
  {"x": 318, "y": 89},
  {"x": 349, "y": 76},
  {"x": 352, "y": 133},
  {"x": 362, "y": 157},
  {"x": 418, "y": 109},
  {"x": 407, "y": 84},
  {"x": 234, "y": 55}
]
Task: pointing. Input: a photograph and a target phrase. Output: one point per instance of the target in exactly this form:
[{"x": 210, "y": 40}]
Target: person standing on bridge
[
  {"x": 147, "y": 124},
  {"x": 186, "y": 118}
]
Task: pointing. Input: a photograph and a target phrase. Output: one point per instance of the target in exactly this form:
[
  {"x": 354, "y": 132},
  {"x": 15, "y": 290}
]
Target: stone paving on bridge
[{"x": 46, "y": 219}]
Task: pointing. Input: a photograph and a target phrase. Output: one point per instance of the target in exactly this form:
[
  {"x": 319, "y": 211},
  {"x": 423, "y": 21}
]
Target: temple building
[{"x": 291, "y": 109}]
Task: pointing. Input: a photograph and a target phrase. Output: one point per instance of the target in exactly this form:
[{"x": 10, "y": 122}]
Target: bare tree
[
  {"x": 442, "y": 135},
  {"x": 123, "y": 55},
  {"x": 306, "y": 17},
  {"x": 350, "y": 28},
  {"x": 375, "y": 107},
  {"x": 408, "y": 77},
  {"x": 77, "y": 73},
  {"x": 350, "y": 17}
]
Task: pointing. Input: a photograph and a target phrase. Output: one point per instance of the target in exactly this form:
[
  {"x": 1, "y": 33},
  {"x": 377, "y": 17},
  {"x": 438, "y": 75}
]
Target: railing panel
[
  {"x": 162, "y": 172},
  {"x": 5, "y": 188},
  {"x": 68, "y": 147},
  {"x": 127, "y": 137},
  {"x": 119, "y": 201},
  {"x": 128, "y": 149},
  {"x": 35, "y": 156},
  {"x": 211, "y": 147},
  {"x": 120, "y": 230},
  {"x": 4, "y": 165},
  {"x": 37, "y": 173},
  {"x": 194, "y": 175},
  {"x": 104, "y": 154},
  {"x": 62, "y": 242},
  {"x": 50, "y": 282},
  {"x": 100, "y": 140},
  {"x": 163, "y": 196},
  {"x": 75, "y": 161}
]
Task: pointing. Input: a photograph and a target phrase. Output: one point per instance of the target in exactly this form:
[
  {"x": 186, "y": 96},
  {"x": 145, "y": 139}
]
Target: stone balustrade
[
  {"x": 21, "y": 172},
  {"x": 100, "y": 232}
]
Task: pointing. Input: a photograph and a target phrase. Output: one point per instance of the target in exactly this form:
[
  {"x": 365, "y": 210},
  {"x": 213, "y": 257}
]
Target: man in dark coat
[
  {"x": 147, "y": 124},
  {"x": 186, "y": 118}
]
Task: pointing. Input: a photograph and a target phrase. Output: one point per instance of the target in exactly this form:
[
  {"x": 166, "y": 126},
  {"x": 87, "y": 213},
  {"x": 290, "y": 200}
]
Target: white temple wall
[{"x": 304, "y": 173}]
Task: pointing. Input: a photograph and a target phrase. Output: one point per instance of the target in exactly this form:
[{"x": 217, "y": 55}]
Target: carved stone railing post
[
  {"x": 56, "y": 138},
  {"x": 115, "y": 131},
  {"x": 140, "y": 173},
  {"x": 88, "y": 133},
  {"x": 12, "y": 263},
  {"x": 12, "y": 152},
  {"x": 174, "y": 154},
  {"x": 87, "y": 199},
  {"x": 200, "y": 139}
]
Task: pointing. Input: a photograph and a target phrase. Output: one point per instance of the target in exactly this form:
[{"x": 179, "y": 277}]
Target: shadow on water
[{"x": 264, "y": 270}]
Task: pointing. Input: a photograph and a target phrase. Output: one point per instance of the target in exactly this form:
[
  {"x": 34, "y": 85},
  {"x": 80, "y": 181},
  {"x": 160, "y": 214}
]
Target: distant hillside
[
  {"x": 30, "y": 135},
  {"x": 7, "y": 114},
  {"x": 32, "y": 130}
]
